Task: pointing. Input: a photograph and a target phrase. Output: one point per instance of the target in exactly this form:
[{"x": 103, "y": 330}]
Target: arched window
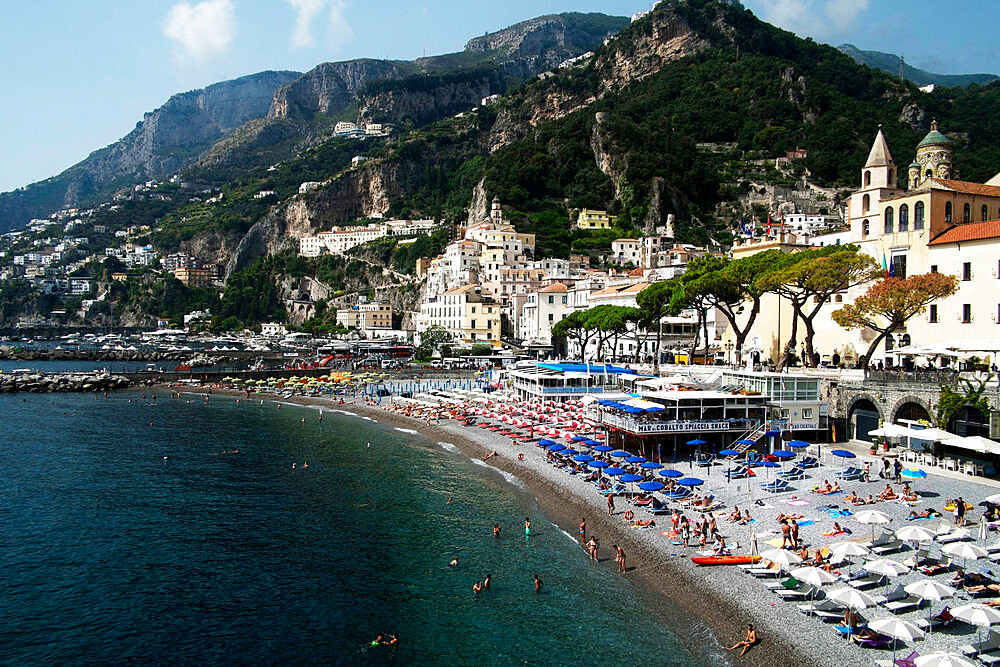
[
  {"x": 966, "y": 213},
  {"x": 905, "y": 340},
  {"x": 888, "y": 220},
  {"x": 865, "y": 229},
  {"x": 866, "y": 203},
  {"x": 868, "y": 178},
  {"x": 929, "y": 173},
  {"x": 889, "y": 343},
  {"x": 918, "y": 215},
  {"x": 904, "y": 217},
  {"x": 985, "y": 213},
  {"x": 947, "y": 211}
]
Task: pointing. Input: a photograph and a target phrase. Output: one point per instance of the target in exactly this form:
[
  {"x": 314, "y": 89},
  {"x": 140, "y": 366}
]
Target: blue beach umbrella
[
  {"x": 555, "y": 447},
  {"x": 651, "y": 465},
  {"x": 636, "y": 459},
  {"x": 769, "y": 464},
  {"x": 583, "y": 458},
  {"x": 599, "y": 464},
  {"x": 772, "y": 433},
  {"x": 798, "y": 444},
  {"x": 620, "y": 454},
  {"x": 578, "y": 438},
  {"x": 696, "y": 443},
  {"x": 843, "y": 453},
  {"x": 632, "y": 478},
  {"x": 654, "y": 408},
  {"x": 614, "y": 471},
  {"x": 744, "y": 442},
  {"x": 783, "y": 454},
  {"x": 591, "y": 443},
  {"x": 602, "y": 448},
  {"x": 545, "y": 443},
  {"x": 690, "y": 481},
  {"x": 670, "y": 473},
  {"x": 914, "y": 473},
  {"x": 651, "y": 486},
  {"x": 728, "y": 452}
]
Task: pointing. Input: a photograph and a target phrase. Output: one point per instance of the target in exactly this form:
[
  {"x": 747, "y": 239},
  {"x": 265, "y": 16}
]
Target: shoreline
[{"x": 670, "y": 585}]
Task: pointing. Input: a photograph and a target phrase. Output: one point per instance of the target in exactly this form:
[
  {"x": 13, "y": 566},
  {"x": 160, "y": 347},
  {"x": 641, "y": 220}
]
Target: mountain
[
  {"x": 270, "y": 116},
  {"x": 890, "y": 63}
]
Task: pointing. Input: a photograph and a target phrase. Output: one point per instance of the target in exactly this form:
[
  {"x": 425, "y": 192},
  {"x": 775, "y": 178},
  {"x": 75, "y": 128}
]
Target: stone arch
[
  {"x": 969, "y": 420},
  {"x": 911, "y": 407},
  {"x": 863, "y": 415}
]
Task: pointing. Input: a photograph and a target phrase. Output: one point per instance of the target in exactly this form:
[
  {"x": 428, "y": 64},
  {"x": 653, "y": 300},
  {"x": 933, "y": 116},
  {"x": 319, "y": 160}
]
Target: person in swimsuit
[
  {"x": 496, "y": 530},
  {"x": 476, "y": 587},
  {"x": 486, "y": 581},
  {"x": 611, "y": 504},
  {"x": 583, "y": 531},
  {"x": 750, "y": 640},
  {"x": 538, "y": 584}
]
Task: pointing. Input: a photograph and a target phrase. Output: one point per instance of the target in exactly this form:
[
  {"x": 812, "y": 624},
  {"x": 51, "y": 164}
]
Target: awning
[{"x": 975, "y": 443}]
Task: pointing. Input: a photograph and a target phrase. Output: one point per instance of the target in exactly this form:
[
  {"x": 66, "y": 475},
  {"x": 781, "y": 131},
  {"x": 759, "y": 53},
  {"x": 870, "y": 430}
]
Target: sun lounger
[
  {"x": 679, "y": 494},
  {"x": 895, "y": 595},
  {"x": 802, "y": 592},
  {"x": 777, "y": 486},
  {"x": 989, "y": 658},
  {"x": 738, "y": 472},
  {"x": 943, "y": 619},
  {"x": 794, "y": 473},
  {"x": 993, "y": 548},
  {"x": 788, "y": 584},
  {"x": 990, "y": 643},
  {"x": 871, "y": 581},
  {"x": 956, "y": 535},
  {"x": 850, "y": 473},
  {"x": 906, "y": 604},
  {"x": 824, "y": 605},
  {"x": 880, "y": 541},
  {"x": 890, "y": 548},
  {"x": 876, "y": 642},
  {"x": 809, "y": 462},
  {"x": 908, "y": 661},
  {"x": 706, "y": 462}
]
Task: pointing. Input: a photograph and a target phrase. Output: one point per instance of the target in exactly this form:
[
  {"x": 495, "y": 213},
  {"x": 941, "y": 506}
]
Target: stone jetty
[{"x": 61, "y": 382}]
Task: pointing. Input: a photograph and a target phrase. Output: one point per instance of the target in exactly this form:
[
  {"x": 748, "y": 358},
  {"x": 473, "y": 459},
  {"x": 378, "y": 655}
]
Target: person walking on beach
[
  {"x": 867, "y": 475},
  {"x": 675, "y": 519},
  {"x": 886, "y": 467},
  {"x": 583, "y": 531},
  {"x": 795, "y": 534},
  {"x": 750, "y": 640},
  {"x": 619, "y": 558},
  {"x": 960, "y": 511},
  {"x": 713, "y": 529},
  {"x": 611, "y": 504},
  {"x": 786, "y": 534},
  {"x": 897, "y": 471},
  {"x": 685, "y": 531}
]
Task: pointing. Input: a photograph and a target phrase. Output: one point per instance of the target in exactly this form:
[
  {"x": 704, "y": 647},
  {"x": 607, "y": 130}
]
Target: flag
[
  {"x": 892, "y": 269},
  {"x": 885, "y": 267},
  {"x": 745, "y": 228},
  {"x": 768, "y": 223}
]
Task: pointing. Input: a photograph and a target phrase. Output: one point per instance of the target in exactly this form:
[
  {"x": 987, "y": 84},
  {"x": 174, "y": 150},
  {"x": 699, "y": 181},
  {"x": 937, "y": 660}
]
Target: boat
[{"x": 725, "y": 560}]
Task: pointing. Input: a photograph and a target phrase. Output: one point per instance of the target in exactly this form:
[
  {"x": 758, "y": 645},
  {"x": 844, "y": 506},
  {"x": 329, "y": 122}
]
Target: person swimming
[
  {"x": 454, "y": 562},
  {"x": 527, "y": 526}
]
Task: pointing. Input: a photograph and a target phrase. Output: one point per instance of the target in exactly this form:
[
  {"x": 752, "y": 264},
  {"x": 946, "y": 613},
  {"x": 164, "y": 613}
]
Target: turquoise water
[{"x": 112, "y": 553}]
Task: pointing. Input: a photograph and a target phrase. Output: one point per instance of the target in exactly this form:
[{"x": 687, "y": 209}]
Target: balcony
[{"x": 632, "y": 425}]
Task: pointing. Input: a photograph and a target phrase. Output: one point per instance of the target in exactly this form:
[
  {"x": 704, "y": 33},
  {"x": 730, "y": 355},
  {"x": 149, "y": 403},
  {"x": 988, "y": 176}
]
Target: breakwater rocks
[
  {"x": 8, "y": 353},
  {"x": 40, "y": 383}
]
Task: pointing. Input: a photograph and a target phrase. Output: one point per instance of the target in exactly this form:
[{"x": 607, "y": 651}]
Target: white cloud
[
  {"x": 816, "y": 18},
  {"x": 306, "y": 11},
  {"x": 202, "y": 30},
  {"x": 340, "y": 30}
]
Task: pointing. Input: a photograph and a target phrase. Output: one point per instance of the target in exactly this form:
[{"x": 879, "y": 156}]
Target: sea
[{"x": 128, "y": 535}]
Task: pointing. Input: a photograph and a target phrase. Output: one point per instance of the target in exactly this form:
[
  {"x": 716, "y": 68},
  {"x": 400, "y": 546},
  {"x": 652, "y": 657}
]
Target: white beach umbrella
[
  {"x": 887, "y": 567},
  {"x": 915, "y": 534},
  {"x": 977, "y": 614},
  {"x": 872, "y": 518},
  {"x": 995, "y": 499},
  {"x": 841, "y": 551},
  {"x": 896, "y": 629},
  {"x": 929, "y": 589},
  {"x": 782, "y": 557},
  {"x": 851, "y": 597},
  {"x": 943, "y": 660},
  {"x": 964, "y": 550},
  {"x": 984, "y": 529},
  {"x": 814, "y": 576}
]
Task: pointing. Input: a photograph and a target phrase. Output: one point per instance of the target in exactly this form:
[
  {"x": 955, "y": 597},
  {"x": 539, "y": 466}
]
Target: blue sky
[{"x": 77, "y": 76}]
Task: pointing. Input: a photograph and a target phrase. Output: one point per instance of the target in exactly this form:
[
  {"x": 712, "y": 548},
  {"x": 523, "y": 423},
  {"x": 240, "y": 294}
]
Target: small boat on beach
[{"x": 725, "y": 560}]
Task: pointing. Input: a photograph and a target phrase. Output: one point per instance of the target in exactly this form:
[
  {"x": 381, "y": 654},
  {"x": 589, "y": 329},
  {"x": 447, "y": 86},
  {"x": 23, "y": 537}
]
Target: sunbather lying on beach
[
  {"x": 788, "y": 517},
  {"x": 823, "y": 488},
  {"x": 928, "y": 513},
  {"x": 888, "y": 493}
]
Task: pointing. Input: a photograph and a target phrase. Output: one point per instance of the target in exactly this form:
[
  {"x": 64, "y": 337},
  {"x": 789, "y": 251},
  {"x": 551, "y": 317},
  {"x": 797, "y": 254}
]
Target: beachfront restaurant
[
  {"x": 661, "y": 423},
  {"x": 564, "y": 381},
  {"x": 794, "y": 402}
]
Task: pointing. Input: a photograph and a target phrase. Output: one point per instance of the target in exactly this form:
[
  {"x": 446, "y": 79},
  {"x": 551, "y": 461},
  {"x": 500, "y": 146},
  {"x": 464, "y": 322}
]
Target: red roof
[
  {"x": 972, "y": 231},
  {"x": 969, "y": 188}
]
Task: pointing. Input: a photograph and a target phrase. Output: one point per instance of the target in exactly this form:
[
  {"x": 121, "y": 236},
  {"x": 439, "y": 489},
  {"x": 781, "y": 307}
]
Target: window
[
  {"x": 551, "y": 317},
  {"x": 868, "y": 178},
  {"x": 967, "y": 271},
  {"x": 473, "y": 310},
  {"x": 933, "y": 268},
  {"x": 966, "y": 313},
  {"x": 473, "y": 324},
  {"x": 905, "y": 340},
  {"x": 889, "y": 343},
  {"x": 865, "y": 229},
  {"x": 947, "y": 211},
  {"x": 564, "y": 300},
  {"x": 933, "y": 316},
  {"x": 807, "y": 413},
  {"x": 552, "y": 299},
  {"x": 888, "y": 220},
  {"x": 918, "y": 215},
  {"x": 904, "y": 218},
  {"x": 866, "y": 203},
  {"x": 985, "y": 213},
  {"x": 898, "y": 267},
  {"x": 966, "y": 213}
]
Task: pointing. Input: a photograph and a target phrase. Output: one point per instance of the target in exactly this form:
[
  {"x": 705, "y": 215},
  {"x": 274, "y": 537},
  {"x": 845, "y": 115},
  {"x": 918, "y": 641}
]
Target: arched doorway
[
  {"x": 863, "y": 417},
  {"x": 969, "y": 421},
  {"x": 913, "y": 411}
]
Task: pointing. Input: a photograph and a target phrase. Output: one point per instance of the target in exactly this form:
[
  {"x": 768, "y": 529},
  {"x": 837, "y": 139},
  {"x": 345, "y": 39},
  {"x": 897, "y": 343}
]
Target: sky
[{"x": 77, "y": 76}]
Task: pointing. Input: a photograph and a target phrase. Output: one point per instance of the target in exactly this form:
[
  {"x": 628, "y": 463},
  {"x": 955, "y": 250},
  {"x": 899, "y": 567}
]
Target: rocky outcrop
[
  {"x": 423, "y": 103},
  {"x": 39, "y": 383},
  {"x": 331, "y": 87},
  {"x": 545, "y": 32}
]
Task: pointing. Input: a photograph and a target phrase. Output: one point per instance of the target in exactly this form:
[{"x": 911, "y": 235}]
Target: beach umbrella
[
  {"x": 729, "y": 452},
  {"x": 872, "y": 518},
  {"x": 843, "y": 453},
  {"x": 578, "y": 438},
  {"x": 568, "y": 452},
  {"x": 632, "y": 478},
  {"x": 696, "y": 443},
  {"x": 546, "y": 443},
  {"x": 913, "y": 473},
  {"x": 943, "y": 660},
  {"x": 745, "y": 442},
  {"x": 783, "y": 454},
  {"x": 841, "y": 551},
  {"x": 555, "y": 447},
  {"x": 896, "y": 629},
  {"x": 851, "y": 598},
  {"x": 964, "y": 550},
  {"x": 593, "y": 443},
  {"x": 636, "y": 459},
  {"x": 993, "y": 499},
  {"x": 769, "y": 465},
  {"x": 814, "y": 576},
  {"x": 929, "y": 589},
  {"x": 650, "y": 465},
  {"x": 614, "y": 472},
  {"x": 651, "y": 486},
  {"x": 620, "y": 454},
  {"x": 690, "y": 481},
  {"x": 977, "y": 614},
  {"x": 602, "y": 448},
  {"x": 583, "y": 458},
  {"x": 782, "y": 557},
  {"x": 915, "y": 534},
  {"x": 670, "y": 473},
  {"x": 598, "y": 464},
  {"x": 886, "y": 567},
  {"x": 797, "y": 444}
]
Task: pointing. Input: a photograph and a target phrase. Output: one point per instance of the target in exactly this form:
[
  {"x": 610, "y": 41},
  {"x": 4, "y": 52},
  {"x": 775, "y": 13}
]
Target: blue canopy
[
  {"x": 911, "y": 472},
  {"x": 632, "y": 410},
  {"x": 578, "y": 438},
  {"x": 555, "y": 447},
  {"x": 650, "y": 465},
  {"x": 696, "y": 443},
  {"x": 614, "y": 472},
  {"x": 631, "y": 478},
  {"x": 545, "y": 443},
  {"x": 583, "y": 458},
  {"x": 636, "y": 459},
  {"x": 745, "y": 442},
  {"x": 606, "y": 401},
  {"x": 591, "y": 442},
  {"x": 599, "y": 464},
  {"x": 843, "y": 453},
  {"x": 620, "y": 454},
  {"x": 651, "y": 486},
  {"x": 690, "y": 481},
  {"x": 670, "y": 473},
  {"x": 783, "y": 453},
  {"x": 654, "y": 408},
  {"x": 770, "y": 464},
  {"x": 602, "y": 448},
  {"x": 568, "y": 452},
  {"x": 798, "y": 444},
  {"x": 728, "y": 452},
  {"x": 772, "y": 433}
]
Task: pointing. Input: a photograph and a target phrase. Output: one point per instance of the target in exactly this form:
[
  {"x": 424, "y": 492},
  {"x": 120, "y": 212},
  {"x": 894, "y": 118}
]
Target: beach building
[
  {"x": 464, "y": 312},
  {"x": 566, "y": 381}
]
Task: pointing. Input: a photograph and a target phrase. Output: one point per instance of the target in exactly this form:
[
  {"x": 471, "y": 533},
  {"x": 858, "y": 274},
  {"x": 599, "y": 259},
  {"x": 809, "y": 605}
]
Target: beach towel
[
  {"x": 774, "y": 543},
  {"x": 762, "y": 505},
  {"x": 838, "y": 513},
  {"x": 766, "y": 533},
  {"x": 796, "y": 502},
  {"x": 835, "y": 533},
  {"x": 807, "y": 522},
  {"x": 669, "y": 533}
]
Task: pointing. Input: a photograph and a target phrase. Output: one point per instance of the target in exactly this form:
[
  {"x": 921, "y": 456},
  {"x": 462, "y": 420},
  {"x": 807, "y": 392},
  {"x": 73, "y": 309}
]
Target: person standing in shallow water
[
  {"x": 496, "y": 530},
  {"x": 611, "y": 504},
  {"x": 527, "y": 526},
  {"x": 538, "y": 584},
  {"x": 583, "y": 531}
]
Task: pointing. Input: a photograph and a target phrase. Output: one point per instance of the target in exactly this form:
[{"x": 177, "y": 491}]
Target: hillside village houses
[
  {"x": 935, "y": 224},
  {"x": 341, "y": 239},
  {"x": 591, "y": 219}
]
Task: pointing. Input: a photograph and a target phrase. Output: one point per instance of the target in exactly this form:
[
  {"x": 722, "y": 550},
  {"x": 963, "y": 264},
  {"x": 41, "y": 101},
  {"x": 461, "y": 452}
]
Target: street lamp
[{"x": 729, "y": 349}]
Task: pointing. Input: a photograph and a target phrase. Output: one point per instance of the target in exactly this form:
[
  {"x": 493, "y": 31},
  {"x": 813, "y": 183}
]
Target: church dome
[{"x": 934, "y": 138}]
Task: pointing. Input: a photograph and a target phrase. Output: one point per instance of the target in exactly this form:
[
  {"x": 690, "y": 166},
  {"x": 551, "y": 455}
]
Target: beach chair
[
  {"x": 739, "y": 472},
  {"x": 989, "y": 658},
  {"x": 908, "y": 603},
  {"x": 678, "y": 494},
  {"x": 889, "y": 548},
  {"x": 871, "y": 581},
  {"x": 809, "y": 462},
  {"x": 908, "y": 661},
  {"x": 993, "y": 548},
  {"x": 799, "y": 593},
  {"x": 895, "y": 595},
  {"x": 942, "y": 620},
  {"x": 883, "y": 539},
  {"x": 790, "y": 583},
  {"x": 989, "y": 644},
  {"x": 795, "y": 473},
  {"x": 705, "y": 462},
  {"x": 777, "y": 486},
  {"x": 875, "y": 642},
  {"x": 956, "y": 535},
  {"x": 849, "y": 474}
]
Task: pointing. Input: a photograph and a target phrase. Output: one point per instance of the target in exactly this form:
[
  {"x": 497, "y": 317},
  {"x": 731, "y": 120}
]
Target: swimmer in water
[
  {"x": 538, "y": 584},
  {"x": 486, "y": 581},
  {"x": 293, "y": 466},
  {"x": 454, "y": 562},
  {"x": 305, "y": 465},
  {"x": 449, "y": 500},
  {"x": 496, "y": 530},
  {"x": 379, "y": 640},
  {"x": 476, "y": 587}
]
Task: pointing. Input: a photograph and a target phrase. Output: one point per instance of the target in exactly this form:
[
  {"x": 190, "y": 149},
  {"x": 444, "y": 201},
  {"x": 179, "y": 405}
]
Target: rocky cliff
[{"x": 331, "y": 87}]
